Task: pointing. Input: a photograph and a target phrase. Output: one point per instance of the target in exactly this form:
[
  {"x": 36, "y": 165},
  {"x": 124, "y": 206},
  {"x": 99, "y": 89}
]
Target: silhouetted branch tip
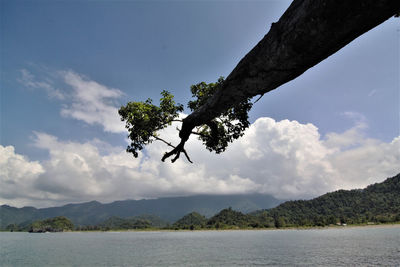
[{"x": 177, "y": 151}]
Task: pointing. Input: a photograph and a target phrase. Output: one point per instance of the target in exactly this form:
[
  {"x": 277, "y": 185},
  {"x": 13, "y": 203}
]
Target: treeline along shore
[{"x": 376, "y": 204}]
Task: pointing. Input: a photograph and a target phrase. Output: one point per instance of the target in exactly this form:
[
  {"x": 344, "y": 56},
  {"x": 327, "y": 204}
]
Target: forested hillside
[
  {"x": 57, "y": 224},
  {"x": 191, "y": 221},
  {"x": 377, "y": 203},
  {"x": 167, "y": 209}
]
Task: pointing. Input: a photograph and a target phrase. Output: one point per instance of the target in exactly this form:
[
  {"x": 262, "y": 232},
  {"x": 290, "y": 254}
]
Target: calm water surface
[{"x": 329, "y": 247}]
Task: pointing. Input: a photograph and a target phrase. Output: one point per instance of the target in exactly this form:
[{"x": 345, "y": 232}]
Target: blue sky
[{"x": 66, "y": 66}]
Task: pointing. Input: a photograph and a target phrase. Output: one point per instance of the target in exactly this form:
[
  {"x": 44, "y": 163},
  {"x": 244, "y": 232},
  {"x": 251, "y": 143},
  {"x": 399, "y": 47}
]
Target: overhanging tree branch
[{"x": 308, "y": 32}]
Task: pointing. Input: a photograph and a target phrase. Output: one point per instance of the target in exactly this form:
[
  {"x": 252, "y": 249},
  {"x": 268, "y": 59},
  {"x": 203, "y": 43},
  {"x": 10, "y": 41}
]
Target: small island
[{"x": 56, "y": 224}]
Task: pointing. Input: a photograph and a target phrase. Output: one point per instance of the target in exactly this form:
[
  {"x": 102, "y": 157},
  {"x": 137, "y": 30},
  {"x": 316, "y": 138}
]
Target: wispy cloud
[
  {"x": 357, "y": 117},
  {"x": 372, "y": 92},
  {"x": 92, "y": 102},
  {"x": 351, "y": 137},
  {"x": 82, "y": 98},
  {"x": 31, "y": 81}
]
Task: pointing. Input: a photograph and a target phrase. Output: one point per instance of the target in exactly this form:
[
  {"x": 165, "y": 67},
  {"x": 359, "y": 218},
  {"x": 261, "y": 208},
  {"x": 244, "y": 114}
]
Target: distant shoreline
[
  {"x": 389, "y": 225},
  {"x": 330, "y": 227}
]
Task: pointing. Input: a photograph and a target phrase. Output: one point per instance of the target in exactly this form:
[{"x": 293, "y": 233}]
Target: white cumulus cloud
[
  {"x": 17, "y": 177},
  {"x": 286, "y": 159}
]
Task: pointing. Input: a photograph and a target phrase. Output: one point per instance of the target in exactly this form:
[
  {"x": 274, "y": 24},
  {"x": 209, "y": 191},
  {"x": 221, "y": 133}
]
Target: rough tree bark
[{"x": 308, "y": 32}]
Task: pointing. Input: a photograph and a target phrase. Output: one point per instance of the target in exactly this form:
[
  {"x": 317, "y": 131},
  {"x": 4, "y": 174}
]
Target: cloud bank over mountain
[{"x": 286, "y": 159}]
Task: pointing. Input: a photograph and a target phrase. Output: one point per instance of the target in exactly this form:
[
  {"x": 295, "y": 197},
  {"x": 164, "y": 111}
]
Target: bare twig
[
  {"x": 162, "y": 140},
  {"x": 258, "y": 98},
  {"x": 200, "y": 134},
  {"x": 187, "y": 156}
]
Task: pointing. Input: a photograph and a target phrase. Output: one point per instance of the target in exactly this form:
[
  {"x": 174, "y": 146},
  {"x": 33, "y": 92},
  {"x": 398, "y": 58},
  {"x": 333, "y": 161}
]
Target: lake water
[{"x": 328, "y": 247}]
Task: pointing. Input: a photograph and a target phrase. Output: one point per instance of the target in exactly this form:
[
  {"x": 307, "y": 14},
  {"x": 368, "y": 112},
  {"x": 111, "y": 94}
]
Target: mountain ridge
[
  {"x": 378, "y": 202},
  {"x": 169, "y": 209}
]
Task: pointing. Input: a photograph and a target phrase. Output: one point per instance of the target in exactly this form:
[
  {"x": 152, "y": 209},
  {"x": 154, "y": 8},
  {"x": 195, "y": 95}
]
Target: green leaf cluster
[
  {"x": 230, "y": 125},
  {"x": 144, "y": 119}
]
